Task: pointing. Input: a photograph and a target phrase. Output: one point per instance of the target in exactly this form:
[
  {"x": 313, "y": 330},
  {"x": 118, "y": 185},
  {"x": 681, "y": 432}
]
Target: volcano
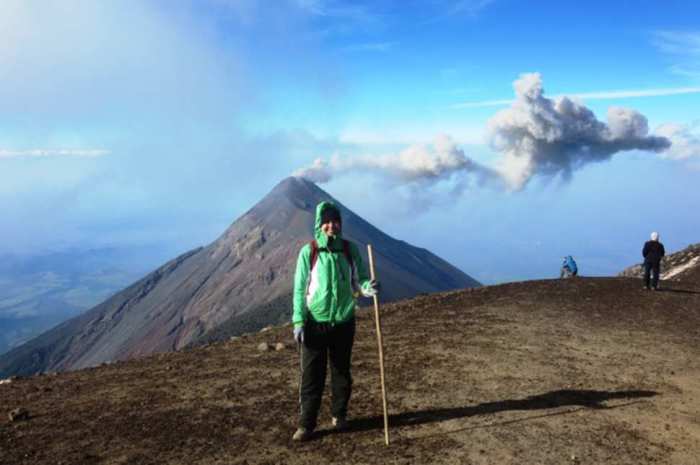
[{"x": 239, "y": 283}]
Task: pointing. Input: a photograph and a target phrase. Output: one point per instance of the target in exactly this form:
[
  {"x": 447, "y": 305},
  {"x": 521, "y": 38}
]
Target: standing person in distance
[
  {"x": 329, "y": 273},
  {"x": 652, "y": 252}
]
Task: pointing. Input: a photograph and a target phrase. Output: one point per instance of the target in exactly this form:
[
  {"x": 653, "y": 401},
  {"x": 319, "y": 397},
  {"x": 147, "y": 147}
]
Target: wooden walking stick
[{"x": 381, "y": 346}]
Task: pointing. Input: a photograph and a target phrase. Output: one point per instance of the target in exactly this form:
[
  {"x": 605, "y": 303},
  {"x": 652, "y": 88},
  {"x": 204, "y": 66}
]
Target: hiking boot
[
  {"x": 302, "y": 434},
  {"x": 340, "y": 423}
]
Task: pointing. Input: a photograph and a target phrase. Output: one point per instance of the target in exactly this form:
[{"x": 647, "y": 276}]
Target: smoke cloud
[
  {"x": 540, "y": 136},
  {"x": 39, "y": 153},
  {"x": 319, "y": 172},
  {"x": 536, "y": 136},
  {"x": 417, "y": 163}
]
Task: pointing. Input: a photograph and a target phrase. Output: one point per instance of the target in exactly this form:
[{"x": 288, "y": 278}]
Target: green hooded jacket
[{"x": 326, "y": 293}]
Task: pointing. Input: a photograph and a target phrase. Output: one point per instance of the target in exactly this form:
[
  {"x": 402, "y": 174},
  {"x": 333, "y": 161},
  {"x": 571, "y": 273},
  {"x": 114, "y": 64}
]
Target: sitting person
[{"x": 568, "y": 268}]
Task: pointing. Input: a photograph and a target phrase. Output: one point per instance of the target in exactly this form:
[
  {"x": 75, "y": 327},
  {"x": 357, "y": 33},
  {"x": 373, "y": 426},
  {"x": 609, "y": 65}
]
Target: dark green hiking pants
[{"x": 323, "y": 342}]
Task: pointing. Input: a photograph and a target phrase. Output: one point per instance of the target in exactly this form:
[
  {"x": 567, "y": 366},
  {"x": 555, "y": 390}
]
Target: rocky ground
[{"x": 581, "y": 371}]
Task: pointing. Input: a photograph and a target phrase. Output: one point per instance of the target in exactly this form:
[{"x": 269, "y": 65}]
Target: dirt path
[{"x": 586, "y": 371}]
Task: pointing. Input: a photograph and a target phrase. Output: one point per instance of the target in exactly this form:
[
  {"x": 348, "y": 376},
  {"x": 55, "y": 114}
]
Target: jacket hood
[{"x": 321, "y": 239}]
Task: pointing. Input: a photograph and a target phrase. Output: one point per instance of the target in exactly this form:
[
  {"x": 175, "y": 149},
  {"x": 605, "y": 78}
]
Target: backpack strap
[
  {"x": 314, "y": 254},
  {"x": 348, "y": 254}
]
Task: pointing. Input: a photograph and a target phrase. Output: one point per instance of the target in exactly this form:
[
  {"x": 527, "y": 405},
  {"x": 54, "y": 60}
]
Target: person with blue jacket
[
  {"x": 568, "y": 268},
  {"x": 329, "y": 275}
]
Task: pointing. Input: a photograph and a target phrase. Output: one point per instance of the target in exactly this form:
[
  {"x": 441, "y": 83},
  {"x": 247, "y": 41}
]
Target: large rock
[{"x": 18, "y": 414}]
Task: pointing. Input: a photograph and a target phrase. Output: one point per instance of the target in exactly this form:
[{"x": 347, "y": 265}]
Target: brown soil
[{"x": 582, "y": 371}]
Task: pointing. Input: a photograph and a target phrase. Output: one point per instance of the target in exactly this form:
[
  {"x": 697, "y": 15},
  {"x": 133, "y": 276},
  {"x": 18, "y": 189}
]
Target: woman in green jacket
[{"x": 329, "y": 275}]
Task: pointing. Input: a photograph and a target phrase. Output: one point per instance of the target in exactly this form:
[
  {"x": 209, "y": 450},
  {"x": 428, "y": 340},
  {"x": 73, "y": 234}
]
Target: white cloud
[
  {"x": 72, "y": 63},
  {"x": 683, "y": 47},
  {"x": 470, "y": 7},
  {"x": 685, "y": 140},
  {"x": 617, "y": 94},
  {"x": 153, "y": 82},
  {"x": 43, "y": 153},
  {"x": 409, "y": 134},
  {"x": 441, "y": 10},
  {"x": 483, "y": 103},
  {"x": 380, "y": 47},
  {"x": 248, "y": 10},
  {"x": 678, "y": 42},
  {"x": 598, "y": 95}
]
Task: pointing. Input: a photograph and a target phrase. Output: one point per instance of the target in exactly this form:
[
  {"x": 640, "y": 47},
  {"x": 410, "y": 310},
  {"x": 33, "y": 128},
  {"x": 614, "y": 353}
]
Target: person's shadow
[
  {"x": 550, "y": 400},
  {"x": 677, "y": 291}
]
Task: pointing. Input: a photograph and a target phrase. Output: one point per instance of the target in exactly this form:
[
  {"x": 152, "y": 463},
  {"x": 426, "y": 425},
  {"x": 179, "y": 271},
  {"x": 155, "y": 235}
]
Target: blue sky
[{"x": 128, "y": 123}]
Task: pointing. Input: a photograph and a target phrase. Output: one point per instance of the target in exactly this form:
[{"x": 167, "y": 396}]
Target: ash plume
[
  {"x": 536, "y": 136},
  {"x": 541, "y": 136},
  {"x": 416, "y": 164}
]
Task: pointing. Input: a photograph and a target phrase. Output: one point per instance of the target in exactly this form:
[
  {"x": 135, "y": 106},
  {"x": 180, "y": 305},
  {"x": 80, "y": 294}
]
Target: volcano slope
[{"x": 588, "y": 370}]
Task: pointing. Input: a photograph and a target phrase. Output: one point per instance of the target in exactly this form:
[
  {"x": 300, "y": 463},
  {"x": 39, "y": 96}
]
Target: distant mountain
[
  {"x": 39, "y": 291},
  {"x": 679, "y": 266},
  {"x": 239, "y": 283},
  {"x": 15, "y": 330}
]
